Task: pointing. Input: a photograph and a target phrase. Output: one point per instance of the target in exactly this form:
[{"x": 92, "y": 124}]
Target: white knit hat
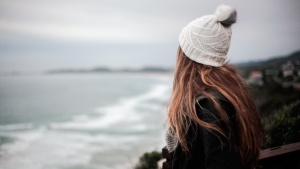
[{"x": 206, "y": 40}]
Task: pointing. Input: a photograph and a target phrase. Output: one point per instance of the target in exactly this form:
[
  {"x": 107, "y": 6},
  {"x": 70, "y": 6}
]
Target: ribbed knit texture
[
  {"x": 171, "y": 140},
  {"x": 206, "y": 40}
]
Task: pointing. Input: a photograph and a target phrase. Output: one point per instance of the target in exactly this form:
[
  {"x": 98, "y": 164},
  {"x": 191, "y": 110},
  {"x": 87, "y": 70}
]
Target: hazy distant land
[
  {"x": 275, "y": 62},
  {"x": 109, "y": 70},
  {"x": 245, "y": 68}
]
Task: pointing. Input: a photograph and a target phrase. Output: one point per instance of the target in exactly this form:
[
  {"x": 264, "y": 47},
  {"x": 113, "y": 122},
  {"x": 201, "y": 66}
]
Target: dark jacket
[{"x": 210, "y": 150}]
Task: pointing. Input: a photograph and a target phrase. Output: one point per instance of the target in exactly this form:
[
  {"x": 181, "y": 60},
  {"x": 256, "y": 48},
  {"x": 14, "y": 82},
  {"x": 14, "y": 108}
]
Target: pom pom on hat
[
  {"x": 206, "y": 40},
  {"x": 226, "y": 15}
]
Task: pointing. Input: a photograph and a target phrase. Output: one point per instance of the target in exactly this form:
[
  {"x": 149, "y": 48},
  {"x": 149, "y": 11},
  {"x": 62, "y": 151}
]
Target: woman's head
[{"x": 201, "y": 68}]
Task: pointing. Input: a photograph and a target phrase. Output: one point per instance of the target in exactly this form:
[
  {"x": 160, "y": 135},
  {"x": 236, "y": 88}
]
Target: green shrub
[
  {"x": 283, "y": 126},
  {"x": 149, "y": 160}
]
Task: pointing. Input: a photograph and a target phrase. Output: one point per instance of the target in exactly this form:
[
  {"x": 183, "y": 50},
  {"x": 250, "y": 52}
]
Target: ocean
[{"x": 81, "y": 121}]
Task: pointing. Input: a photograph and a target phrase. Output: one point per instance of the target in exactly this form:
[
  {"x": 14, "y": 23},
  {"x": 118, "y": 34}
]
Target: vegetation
[
  {"x": 149, "y": 160},
  {"x": 272, "y": 97},
  {"x": 278, "y": 100},
  {"x": 283, "y": 127}
]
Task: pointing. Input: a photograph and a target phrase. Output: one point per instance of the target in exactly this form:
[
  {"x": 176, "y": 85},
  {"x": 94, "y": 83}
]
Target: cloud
[
  {"x": 67, "y": 32},
  {"x": 131, "y": 32},
  {"x": 69, "y": 21}
]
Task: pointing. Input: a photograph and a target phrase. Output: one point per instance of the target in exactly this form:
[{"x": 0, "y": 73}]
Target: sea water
[{"x": 81, "y": 121}]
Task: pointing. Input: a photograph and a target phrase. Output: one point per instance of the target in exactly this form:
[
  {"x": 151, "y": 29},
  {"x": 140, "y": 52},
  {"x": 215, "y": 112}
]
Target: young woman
[{"x": 212, "y": 120}]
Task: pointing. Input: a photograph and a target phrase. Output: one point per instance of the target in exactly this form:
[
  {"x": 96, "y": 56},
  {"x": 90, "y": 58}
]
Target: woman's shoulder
[
  {"x": 207, "y": 112},
  {"x": 205, "y": 105}
]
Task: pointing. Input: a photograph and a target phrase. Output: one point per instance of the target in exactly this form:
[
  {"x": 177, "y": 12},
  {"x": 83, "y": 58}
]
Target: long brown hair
[{"x": 192, "y": 80}]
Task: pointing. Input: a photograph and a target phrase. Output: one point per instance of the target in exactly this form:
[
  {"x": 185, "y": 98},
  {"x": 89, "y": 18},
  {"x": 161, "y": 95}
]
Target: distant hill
[
  {"x": 273, "y": 63},
  {"x": 109, "y": 70},
  {"x": 244, "y": 68}
]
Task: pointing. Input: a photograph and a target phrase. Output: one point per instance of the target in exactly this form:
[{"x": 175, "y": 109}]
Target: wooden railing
[{"x": 283, "y": 157}]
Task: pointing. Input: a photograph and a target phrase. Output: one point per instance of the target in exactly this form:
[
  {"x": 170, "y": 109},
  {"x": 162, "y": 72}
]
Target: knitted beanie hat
[{"x": 206, "y": 40}]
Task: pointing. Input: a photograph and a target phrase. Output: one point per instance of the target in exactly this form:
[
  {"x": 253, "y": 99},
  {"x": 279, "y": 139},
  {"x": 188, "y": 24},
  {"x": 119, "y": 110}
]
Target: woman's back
[{"x": 212, "y": 117}]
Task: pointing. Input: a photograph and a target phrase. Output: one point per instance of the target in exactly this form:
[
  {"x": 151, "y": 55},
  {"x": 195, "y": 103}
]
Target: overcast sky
[{"x": 40, "y": 35}]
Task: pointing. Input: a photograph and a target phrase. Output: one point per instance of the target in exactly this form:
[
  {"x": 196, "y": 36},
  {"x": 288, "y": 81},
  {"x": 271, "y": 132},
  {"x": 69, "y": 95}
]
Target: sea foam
[
  {"x": 124, "y": 130},
  {"x": 123, "y": 110}
]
